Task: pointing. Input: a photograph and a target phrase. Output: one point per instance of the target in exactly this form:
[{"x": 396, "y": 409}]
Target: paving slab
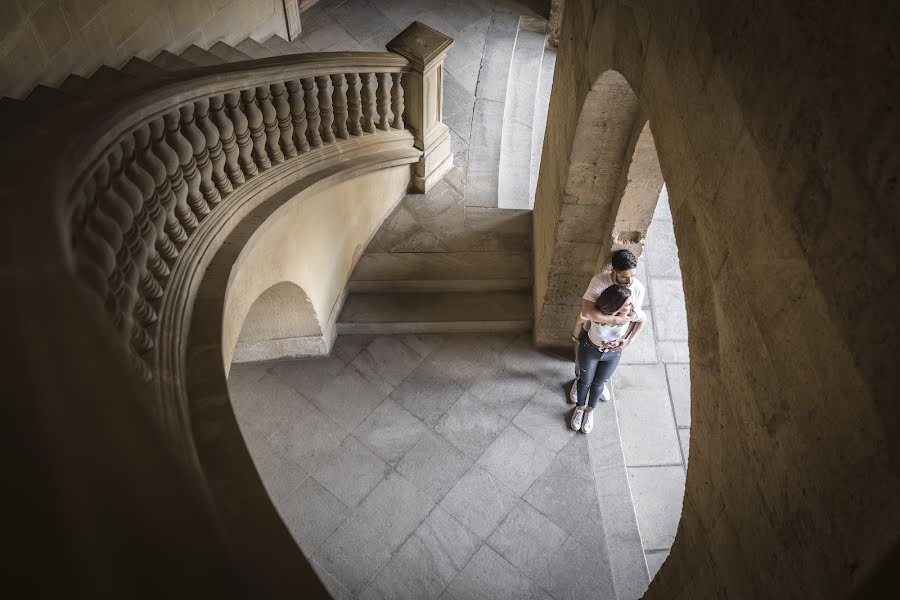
[
  {"x": 516, "y": 459},
  {"x": 479, "y": 501},
  {"x": 390, "y": 431},
  {"x": 395, "y": 508},
  {"x": 647, "y": 427},
  {"x": 669, "y": 309},
  {"x": 434, "y": 465},
  {"x": 354, "y": 553},
  {"x": 680, "y": 388},
  {"x": 545, "y": 418},
  {"x": 489, "y": 575},
  {"x": 312, "y": 514},
  {"x": 658, "y": 494},
  {"x": 350, "y": 472}
]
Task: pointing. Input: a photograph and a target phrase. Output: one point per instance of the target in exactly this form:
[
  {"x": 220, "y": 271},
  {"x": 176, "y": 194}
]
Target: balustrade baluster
[
  {"x": 270, "y": 124},
  {"x": 166, "y": 154},
  {"x": 201, "y": 158},
  {"x": 213, "y": 146},
  {"x": 368, "y": 103},
  {"x": 123, "y": 280},
  {"x": 167, "y": 176},
  {"x": 156, "y": 267},
  {"x": 397, "y": 100},
  {"x": 354, "y": 107},
  {"x": 257, "y": 130},
  {"x": 242, "y": 134},
  {"x": 312, "y": 112},
  {"x": 285, "y": 124},
  {"x": 139, "y": 282},
  {"x": 298, "y": 115},
  {"x": 157, "y": 206},
  {"x": 325, "y": 108},
  {"x": 186, "y": 162},
  {"x": 141, "y": 340},
  {"x": 228, "y": 140},
  {"x": 381, "y": 101},
  {"x": 96, "y": 259},
  {"x": 339, "y": 100}
]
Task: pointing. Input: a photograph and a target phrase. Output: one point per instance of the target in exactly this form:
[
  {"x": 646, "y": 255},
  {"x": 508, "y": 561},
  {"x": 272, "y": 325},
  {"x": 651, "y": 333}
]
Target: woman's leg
[
  {"x": 588, "y": 358},
  {"x": 603, "y": 371}
]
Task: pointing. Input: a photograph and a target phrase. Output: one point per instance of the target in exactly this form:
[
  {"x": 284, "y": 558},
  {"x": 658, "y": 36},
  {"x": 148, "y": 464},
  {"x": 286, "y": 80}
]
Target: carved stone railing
[{"x": 122, "y": 200}]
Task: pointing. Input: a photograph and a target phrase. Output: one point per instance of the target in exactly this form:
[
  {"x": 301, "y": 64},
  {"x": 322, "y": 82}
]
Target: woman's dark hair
[
  {"x": 612, "y": 298},
  {"x": 623, "y": 260}
]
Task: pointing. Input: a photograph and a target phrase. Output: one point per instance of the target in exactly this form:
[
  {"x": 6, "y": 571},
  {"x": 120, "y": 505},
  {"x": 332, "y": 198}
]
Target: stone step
[
  {"x": 254, "y": 49},
  {"x": 141, "y": 68},
  {"x": 48, "y": 99},
  {"x": 279, "y": 45},
  {"x": 417, "y": 312},
  {"x": 107, "y": 77},
  {"x": 200, "y": 57},
  {"x": 171, "y": 62},
  {"x": 228, "y": 53},
  {"x": 541, "y": 107},
  {"x": 442, "y": 271},
  {"x": 487, "y": 123},
  {"x": 514, "y": 177}
]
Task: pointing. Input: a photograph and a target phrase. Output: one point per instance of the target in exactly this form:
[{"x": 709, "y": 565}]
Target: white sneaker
[
  {"x": 588, "y": 422},
  {"x": 576, "y": 418},
  {"x": 604, "y": 395},
  {"x": 573, "y": 393}
]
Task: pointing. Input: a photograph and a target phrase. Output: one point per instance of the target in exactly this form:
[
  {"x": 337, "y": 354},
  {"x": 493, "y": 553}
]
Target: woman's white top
[{"x": 599, "y": 334}]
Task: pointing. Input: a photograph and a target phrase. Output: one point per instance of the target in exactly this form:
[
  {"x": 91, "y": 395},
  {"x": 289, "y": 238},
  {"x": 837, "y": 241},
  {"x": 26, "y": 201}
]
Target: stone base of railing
[{"x": 436, "y": 160}]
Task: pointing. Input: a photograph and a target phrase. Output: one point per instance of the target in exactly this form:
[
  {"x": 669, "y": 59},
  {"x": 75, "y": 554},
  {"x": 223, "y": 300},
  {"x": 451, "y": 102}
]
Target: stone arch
[
  {"x": 282, "y": 321},
  {"x": 607, "y": 199},
  {"x": 793, "y": 489}
]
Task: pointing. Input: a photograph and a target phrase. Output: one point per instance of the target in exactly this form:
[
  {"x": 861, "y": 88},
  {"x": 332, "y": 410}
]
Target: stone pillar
[{"x": 423, "y": 88}]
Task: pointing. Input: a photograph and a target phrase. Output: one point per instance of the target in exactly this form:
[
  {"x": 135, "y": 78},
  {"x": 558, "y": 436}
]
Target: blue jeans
[{"x": 593, "y": 368}]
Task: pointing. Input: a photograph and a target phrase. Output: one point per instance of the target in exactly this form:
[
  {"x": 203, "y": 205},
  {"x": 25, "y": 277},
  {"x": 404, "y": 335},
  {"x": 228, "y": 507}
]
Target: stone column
[{"x": 423, "y": 88}]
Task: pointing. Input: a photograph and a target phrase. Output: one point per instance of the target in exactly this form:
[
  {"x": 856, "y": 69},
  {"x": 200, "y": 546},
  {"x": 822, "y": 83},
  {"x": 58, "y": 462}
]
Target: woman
[{"x": 600, "y": 350}]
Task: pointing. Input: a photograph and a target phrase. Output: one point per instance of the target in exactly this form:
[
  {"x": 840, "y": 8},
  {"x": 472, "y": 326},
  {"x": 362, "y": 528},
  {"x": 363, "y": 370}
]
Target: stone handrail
[{"x": 124, "y": 193}]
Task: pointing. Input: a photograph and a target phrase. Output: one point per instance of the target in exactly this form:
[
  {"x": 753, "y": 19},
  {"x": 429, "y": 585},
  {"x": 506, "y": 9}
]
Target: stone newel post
[{"x": 425, "y": 48}]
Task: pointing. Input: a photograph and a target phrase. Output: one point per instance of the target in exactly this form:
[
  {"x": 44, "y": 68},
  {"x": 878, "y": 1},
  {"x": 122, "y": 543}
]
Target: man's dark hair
[
  {"x": 623, "y": 260},
  {"x": 612, "y": 298}
]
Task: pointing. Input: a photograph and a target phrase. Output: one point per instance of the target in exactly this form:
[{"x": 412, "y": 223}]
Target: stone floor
[
  {"x": 421, "y": 465},
  {"x": 440, "y": 466}
]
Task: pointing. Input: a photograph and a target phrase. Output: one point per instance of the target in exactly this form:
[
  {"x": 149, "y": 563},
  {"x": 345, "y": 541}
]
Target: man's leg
[{"x": 577, "y": 333}]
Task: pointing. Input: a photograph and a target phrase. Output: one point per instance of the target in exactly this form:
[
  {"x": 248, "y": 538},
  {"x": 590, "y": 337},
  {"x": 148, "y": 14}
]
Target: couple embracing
[{"x": 610, "y": 319}]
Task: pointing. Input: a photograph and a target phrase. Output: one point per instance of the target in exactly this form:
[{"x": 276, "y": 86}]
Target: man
[{"x": 624, "y": 264}]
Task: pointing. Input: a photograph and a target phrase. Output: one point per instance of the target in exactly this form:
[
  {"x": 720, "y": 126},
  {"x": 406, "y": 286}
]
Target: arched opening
[
  {"x": 281, "y": 322},
  {"x": 614, "y": 198}
]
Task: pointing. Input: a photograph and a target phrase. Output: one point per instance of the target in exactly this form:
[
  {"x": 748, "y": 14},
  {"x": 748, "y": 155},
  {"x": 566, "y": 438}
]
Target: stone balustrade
[{"x": 148, "y": 192}]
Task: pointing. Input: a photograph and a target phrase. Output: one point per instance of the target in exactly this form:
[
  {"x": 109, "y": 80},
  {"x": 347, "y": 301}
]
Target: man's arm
[{"x": 590, "y": 313}]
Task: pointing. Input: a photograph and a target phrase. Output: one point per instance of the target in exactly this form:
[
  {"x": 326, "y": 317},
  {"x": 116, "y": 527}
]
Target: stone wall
[
  {"x": 43, "y": 41},
  {"x": 312, "y": 242},
  {"x": 775, "y": 126}
]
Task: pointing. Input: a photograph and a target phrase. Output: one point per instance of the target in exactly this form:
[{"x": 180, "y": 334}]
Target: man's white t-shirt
[{"x": 610, "y": 333}]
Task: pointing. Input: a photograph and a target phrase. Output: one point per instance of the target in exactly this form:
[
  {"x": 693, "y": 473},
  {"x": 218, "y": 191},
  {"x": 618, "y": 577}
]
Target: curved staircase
[{"x": 132, "y": 182}]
